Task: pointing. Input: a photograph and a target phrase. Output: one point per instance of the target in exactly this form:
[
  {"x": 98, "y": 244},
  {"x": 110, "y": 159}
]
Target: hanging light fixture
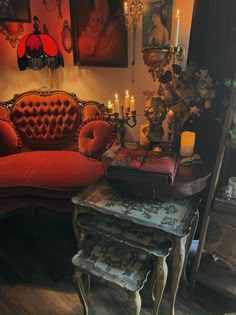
[{"x": 37, "y": 50}]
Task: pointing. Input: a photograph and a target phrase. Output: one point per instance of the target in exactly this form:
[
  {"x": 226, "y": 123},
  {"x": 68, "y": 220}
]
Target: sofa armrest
[{"x": 9, "y": 140}]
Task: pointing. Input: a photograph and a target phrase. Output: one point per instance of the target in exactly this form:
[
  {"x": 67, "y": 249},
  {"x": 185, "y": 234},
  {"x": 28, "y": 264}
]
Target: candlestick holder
[
  {"x": 178, "y": 52},
  {"x": 121, "y": 120}
]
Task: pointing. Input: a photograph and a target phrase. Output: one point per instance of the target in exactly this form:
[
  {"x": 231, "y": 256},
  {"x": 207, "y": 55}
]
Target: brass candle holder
[{"x": 125, "y": 117}]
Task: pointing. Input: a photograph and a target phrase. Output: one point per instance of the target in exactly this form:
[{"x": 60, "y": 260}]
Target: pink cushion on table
[
  {"x": 8, "y": 138},
  {"x": 47, "y": 173}
]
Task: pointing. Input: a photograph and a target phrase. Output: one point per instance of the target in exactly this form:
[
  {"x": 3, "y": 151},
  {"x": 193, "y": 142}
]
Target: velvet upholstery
[
  {"x": 46, "y": 122},
  {"x": 96, "y": 135},
  {"x": 40, "y": 163},
  {"x": 8, "y": 138},
  {"x": 49, "y": 173}
]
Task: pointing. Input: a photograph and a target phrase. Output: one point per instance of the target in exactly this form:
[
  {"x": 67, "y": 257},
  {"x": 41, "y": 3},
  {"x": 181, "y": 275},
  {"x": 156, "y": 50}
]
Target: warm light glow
[
  {"x": 127, "y": 99},
  {"x": 110, "y": 107},
  {"x": 187, "y": 143},
  {"x": 116, "y": 104},
  {"x": 125, "y": 7},
  {"x": 132, "y": 104},
  {"x": 177, "y": 28},
  {"x": 170, "y": 115}
]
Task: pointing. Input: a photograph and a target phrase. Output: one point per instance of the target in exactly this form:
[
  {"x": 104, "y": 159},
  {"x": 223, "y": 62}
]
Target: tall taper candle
[
  {"x": 177, "y": 28},
  {"x": 127, "y": 100},
  {"x": 116, "y": 104},
  {"x": 132, "y": 104}
]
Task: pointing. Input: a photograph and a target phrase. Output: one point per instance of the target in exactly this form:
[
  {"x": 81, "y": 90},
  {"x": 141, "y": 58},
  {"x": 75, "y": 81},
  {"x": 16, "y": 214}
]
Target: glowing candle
[
  {"x": 177, "y": 28},
  {"x": 170, "y": 115},
  {"x": 187, "y": 143},
  {"x": 127, "y": 100},
  {"x": 132, "y": 104},
  {"x": 125, "y": 7},
  {"x": 110, "y": 107},
  {"x": 116, "y": 104}
]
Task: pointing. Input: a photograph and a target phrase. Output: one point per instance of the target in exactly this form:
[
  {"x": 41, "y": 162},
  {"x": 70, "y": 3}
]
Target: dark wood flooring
[{"x": 36, "y": 274}]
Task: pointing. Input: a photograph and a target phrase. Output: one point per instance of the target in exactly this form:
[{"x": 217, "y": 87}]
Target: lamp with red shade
[{"x": 38, "y": 50}]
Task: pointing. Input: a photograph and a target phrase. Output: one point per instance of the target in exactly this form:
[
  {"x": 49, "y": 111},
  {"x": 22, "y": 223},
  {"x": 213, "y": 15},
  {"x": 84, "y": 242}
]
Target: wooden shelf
[
  {"x": 218, "y": 276},
  {"x": 231, "y": 145},
  {"x": 224, "y": 206}
]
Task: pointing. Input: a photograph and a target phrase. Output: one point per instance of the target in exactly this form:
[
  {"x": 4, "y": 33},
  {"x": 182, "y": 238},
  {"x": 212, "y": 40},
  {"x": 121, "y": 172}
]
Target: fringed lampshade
[{"x": 38, "y": 50}]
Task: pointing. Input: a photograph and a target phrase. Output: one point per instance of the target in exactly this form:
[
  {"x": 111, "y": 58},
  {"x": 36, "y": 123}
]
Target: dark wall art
[{"x": 99, "y": 33}]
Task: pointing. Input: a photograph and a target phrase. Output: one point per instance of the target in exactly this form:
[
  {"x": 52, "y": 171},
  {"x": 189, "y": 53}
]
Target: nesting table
[{"x": 146, "y": 229}]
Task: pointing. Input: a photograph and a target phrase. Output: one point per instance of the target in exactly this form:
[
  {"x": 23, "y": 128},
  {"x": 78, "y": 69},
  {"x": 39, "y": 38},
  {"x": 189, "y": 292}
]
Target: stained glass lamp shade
[{"x": 37, "y": 50}]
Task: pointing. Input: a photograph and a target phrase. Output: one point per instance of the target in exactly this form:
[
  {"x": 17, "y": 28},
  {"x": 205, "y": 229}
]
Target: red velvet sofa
[{"x": 51, "y": 143}]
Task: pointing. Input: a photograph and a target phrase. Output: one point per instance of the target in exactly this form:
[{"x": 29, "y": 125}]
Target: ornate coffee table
[{"x": 149, "y": 226}]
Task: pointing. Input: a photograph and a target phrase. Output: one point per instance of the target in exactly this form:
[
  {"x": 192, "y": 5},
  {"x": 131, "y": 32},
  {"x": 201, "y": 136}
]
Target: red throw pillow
[
  {"x": 8, "y": 138},
  {"x": 95, "y": 137}
]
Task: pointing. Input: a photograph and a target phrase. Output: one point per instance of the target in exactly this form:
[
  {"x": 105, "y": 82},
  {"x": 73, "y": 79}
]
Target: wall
[{"x": 87, "y": 82}]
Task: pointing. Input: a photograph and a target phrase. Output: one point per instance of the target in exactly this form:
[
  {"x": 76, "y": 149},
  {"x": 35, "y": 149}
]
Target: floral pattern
[
  {"x": 119, "y": 264},
  {"x": 172, "y": 216}
]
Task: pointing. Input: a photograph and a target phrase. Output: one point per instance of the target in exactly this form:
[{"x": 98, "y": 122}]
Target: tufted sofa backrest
[{"x": 47, "y": 120}]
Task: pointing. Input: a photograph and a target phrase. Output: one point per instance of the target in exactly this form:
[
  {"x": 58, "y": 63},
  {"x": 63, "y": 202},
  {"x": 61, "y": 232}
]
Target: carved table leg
[
  {"x": 78, "y": 283},
  {"x": 134, "y": 303},
  {"x": 160, "y": 273},
  {"x": 86, "y": 282},
  {"x": 190, "y": 237},
  {"x": 177, "y": 267}
]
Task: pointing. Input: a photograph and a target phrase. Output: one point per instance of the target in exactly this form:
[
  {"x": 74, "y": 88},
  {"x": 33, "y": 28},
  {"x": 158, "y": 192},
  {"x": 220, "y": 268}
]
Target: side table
[{"x": 173, "y": 220}]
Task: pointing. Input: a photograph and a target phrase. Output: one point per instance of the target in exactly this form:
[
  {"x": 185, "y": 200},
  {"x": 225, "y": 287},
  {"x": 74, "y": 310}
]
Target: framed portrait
[
  {"x": 15, "y": 11},
  {"x": 157, "y": 24},
  {"x": 98, "y": 32}
]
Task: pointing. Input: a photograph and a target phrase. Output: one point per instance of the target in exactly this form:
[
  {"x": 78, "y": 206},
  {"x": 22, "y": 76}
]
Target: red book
[{"x": 135, "y": 162}]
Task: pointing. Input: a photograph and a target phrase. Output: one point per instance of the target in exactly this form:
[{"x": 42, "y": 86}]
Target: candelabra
[
  {"x": 125, "y": 117},
  {"x": 178, "y": 52}
]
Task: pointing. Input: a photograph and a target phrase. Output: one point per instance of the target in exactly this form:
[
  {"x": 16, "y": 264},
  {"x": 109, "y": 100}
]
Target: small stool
[{"x": 115, "y": 263}]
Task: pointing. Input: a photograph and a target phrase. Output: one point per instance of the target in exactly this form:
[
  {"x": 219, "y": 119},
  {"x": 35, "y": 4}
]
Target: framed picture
[
  {"x": 157, "y": 24},
  {"x": 66, "y": 36},
  {"x": 15, "y": 11},
  {"x": 99, "y": 33}
]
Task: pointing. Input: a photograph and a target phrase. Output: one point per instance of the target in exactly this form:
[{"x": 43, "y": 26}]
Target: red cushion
[
  {"x": 8, "y": 138},
  {"x": 47, "y": 173},
  {"x": 95, "y": 137}
]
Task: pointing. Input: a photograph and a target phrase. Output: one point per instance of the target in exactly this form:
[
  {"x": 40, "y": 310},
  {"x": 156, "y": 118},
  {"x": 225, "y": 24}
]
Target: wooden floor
[{"x": 36, "y": 273}]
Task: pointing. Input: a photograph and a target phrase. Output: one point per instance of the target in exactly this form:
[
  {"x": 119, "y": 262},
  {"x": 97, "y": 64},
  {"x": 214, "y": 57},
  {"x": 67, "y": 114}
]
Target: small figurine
[{"x": 155, "y": 111}]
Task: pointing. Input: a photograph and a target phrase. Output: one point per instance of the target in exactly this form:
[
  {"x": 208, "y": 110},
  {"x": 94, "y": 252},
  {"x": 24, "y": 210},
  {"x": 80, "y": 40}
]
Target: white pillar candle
[
  {"x": 177, "y": 29},
  {"x": 132, "y": 104},
  {"x": 187, "y": 143},
  {"x": 127, "y": 100},
  {"x": 116, "y": 104}
]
